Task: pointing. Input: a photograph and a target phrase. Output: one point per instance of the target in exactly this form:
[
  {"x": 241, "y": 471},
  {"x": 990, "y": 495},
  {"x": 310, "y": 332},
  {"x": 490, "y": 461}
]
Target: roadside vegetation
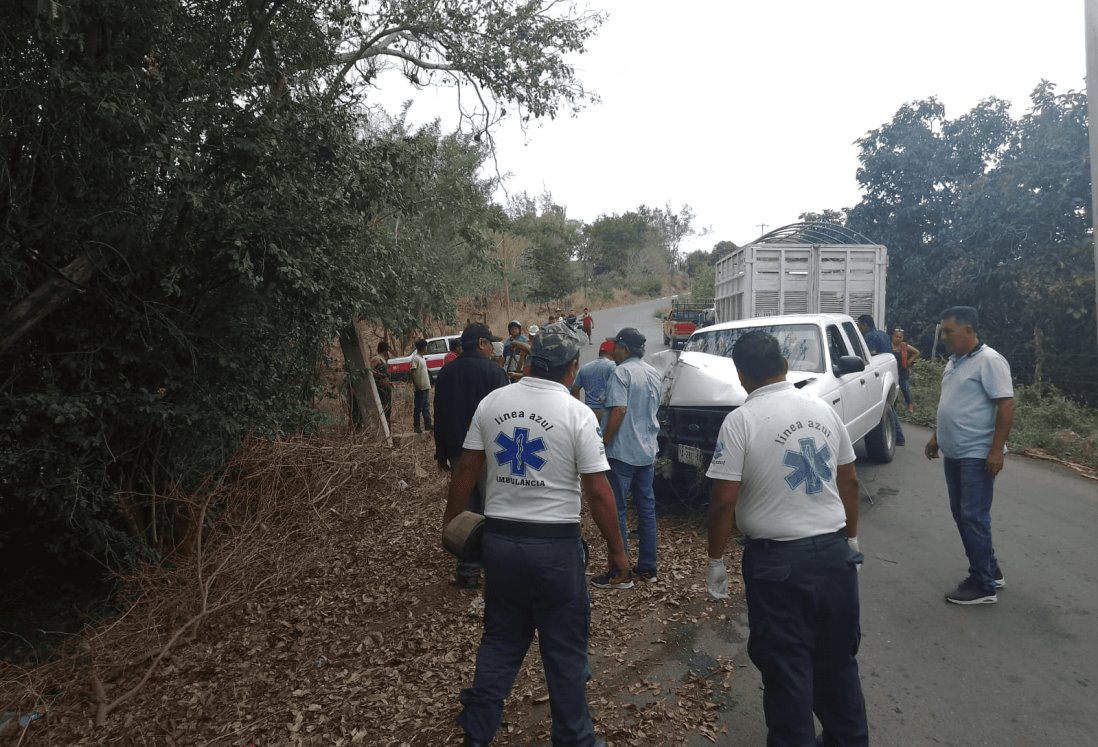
[
  {"x": 206, "y": 219},
  {"x": 1047, "y": 423}
]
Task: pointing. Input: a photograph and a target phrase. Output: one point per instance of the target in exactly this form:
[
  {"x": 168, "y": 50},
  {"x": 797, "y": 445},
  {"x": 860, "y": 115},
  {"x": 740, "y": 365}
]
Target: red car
[{"x": 437, "y": 348}]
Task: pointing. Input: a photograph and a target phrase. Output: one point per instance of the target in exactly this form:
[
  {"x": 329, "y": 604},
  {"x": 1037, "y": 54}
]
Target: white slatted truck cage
[{"x": 804, "y": 268}]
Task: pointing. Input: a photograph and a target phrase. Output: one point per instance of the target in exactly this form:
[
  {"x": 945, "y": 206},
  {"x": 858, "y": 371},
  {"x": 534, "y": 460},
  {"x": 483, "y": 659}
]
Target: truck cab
[{"x": 827, "y": 357}]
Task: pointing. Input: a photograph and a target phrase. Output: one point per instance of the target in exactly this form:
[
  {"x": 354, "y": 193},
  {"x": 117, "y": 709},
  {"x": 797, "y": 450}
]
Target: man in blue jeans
[
  {"x": 629, "y": 431},
  {"x": 975, "y": 414}
]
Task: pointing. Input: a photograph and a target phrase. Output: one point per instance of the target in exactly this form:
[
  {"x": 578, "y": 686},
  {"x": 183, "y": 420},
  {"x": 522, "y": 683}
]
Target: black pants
[
  {"x": 532, "y": 584},
  {"x": 802, "y": 608}
]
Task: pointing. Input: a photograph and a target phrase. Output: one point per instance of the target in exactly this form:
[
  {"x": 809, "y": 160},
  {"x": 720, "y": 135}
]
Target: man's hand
[
  {"x": 852, "y": 543},
  {"x": 716, "y": 579},
  {"x": 994, "y": 463},
  {"x": 931, "y": 449},
  {"x": 443, "y": 465}
]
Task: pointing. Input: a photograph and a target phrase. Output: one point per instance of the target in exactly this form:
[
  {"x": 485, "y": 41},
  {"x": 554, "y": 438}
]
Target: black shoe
[
  {"x": 417, "y": 429},
  {"x": 466, "y": 583},
  {"x": 605, "y": 581},
  {"x": 470, "y": 742},
  {"x": 968, "y": 593},
  {"x": 646, "y": 576}
]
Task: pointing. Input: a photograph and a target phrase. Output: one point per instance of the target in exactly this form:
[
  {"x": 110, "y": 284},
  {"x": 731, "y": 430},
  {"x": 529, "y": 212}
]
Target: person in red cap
[{"x": 592, "y": 378}]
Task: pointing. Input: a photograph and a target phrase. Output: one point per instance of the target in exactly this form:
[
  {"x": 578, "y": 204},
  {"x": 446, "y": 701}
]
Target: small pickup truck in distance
[
  {"x": 683, "y": 319},
  {"x": 827, "y": 356}
]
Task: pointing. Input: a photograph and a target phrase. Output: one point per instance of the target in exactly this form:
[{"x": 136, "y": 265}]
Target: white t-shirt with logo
[
  {"x": 538, "y": 439},
  {"x": 784, "y": 447}
]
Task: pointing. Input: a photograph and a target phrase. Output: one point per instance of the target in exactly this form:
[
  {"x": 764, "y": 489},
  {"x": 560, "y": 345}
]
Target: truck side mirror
[{"x": 848, "y": 364}]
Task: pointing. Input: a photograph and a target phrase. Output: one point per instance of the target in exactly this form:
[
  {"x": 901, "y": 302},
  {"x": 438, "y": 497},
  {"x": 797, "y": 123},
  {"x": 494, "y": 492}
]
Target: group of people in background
[
  {"x": 526, "y": 455},
  {"x": 906, "y": 355}
]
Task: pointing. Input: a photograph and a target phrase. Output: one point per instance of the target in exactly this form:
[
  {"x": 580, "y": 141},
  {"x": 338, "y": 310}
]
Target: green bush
[
  {"x": 1043, "y": 419},
  {"x": 646, "y": 286}
]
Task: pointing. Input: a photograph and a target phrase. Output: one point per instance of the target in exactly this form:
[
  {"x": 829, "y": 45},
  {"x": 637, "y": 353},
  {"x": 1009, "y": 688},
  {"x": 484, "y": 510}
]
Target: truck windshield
[{"x": 800, "y": 344}]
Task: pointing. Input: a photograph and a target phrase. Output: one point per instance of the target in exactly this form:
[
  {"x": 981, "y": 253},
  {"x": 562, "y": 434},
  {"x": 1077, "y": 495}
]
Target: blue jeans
[
  {"x": 897, "y": 428},
  {"x": 532, "y": 584},
  {"x": 970, "y": 492},
  {"x": 905, "y": 389},
  {"x": 421, "y": 406},
  {"x": 803, "y": 615},
  {"x": 626, "y": 478}
]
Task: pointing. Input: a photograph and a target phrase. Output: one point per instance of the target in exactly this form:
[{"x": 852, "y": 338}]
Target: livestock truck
[{"x": 809, "y": 268}]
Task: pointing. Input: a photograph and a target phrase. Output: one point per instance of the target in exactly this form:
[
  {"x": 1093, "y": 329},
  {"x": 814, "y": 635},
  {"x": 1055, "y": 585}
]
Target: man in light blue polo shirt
[
  {"x": 975, "y": 414},
  {"x": 593, "y": 378},
  {"x": 629, "y": 431}
]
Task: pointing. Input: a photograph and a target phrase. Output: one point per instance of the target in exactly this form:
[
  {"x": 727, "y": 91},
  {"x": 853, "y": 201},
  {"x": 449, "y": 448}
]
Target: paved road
[{"x": 1021, "y": 672}]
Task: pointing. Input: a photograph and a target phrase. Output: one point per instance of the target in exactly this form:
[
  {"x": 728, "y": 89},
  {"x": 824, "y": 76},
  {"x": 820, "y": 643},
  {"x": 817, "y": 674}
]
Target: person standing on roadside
[
  {"x": 588, "y": 324},
  {"x": 453, "y": 352},
  {"x": 421, "y": 388},
  {"x": 975, "y": 415},
  {"x": 906, "y": 355},
  {"x": 876, "y": 340},
  {"x": 783, "y": 470},
  {"x": 542, "y": 453},
  {"x": 515, "y": 348},
  {"x": 593, "y": 377},
  {"x": 629, "y": 432},
  {"x": 379, "y": 368},
  {"x": 459, "y": 388}
]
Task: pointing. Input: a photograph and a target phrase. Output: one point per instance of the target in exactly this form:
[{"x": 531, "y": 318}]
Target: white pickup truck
[{"x": 827, "y": 357}]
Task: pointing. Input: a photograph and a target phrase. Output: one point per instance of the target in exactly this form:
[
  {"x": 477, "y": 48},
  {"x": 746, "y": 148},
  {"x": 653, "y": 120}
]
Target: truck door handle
[{"x": 837, "y": 400}]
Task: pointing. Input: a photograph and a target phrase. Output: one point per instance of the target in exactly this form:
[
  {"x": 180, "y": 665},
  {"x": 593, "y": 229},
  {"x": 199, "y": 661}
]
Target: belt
[
  {"x": 819, "y": 539},
  {"x": 531, "y": 528}
]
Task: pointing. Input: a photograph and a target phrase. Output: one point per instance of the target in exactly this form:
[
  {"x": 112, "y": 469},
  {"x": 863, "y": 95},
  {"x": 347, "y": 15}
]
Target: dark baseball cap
[
  {"x": 475, "y": 331},
  {"x": 556, "y": 344},
  {"x": 631, "y": 338}
]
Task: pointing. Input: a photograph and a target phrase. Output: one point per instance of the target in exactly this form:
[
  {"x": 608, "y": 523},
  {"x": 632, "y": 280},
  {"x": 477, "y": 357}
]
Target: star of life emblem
[
  {"x": 520, "y": 451},
  {"x": 808, "y": 466}
]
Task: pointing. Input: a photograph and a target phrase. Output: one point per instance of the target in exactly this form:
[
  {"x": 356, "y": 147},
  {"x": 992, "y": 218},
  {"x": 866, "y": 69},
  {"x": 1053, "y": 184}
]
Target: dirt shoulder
[{"x": 335, "y": 623}]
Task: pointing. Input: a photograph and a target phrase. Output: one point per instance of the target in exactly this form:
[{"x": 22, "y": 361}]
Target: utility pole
[
  {"x": 1090, "y": 18},
  {"x": 762, "y": 226}
]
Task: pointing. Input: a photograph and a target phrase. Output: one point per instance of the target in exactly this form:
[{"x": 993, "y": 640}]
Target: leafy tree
[
  {"x": 195, "y": 203},
  {"x": 993, "y": 212},
  {"x": 552, "y": 242},
  {"x": 638, "y": 246}
]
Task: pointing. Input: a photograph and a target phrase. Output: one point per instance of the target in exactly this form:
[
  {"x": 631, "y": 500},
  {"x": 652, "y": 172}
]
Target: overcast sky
[{"x": 748, "y": 111}]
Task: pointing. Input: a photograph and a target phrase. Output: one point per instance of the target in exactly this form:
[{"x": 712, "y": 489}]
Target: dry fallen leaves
[{"x": 333, "y": 623}]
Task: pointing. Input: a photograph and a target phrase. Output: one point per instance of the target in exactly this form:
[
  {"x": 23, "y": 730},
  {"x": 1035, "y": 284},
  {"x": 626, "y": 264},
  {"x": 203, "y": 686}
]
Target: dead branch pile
[{"x": 315, "y": 608}]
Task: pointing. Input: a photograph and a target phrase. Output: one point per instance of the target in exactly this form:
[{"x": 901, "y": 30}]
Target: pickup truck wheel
[{"x": 880, "y": 443}]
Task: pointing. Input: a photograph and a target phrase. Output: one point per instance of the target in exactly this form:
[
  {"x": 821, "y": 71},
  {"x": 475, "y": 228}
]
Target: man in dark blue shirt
[
  {"x": 460, "y": 387},
  {"x": 877, "y": 340}
]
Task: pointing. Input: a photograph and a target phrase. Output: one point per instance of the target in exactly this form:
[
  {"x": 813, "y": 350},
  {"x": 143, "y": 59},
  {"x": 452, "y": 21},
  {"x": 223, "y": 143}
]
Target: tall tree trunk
[{"x": 361, "y": 383}]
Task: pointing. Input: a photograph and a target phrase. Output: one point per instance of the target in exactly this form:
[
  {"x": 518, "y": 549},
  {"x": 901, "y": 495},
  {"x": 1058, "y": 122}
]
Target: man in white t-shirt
[
  {"x": 784, "y": 468},
  {"x": 421, "y": 388},
  {"x": 538, "y": 446}
]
